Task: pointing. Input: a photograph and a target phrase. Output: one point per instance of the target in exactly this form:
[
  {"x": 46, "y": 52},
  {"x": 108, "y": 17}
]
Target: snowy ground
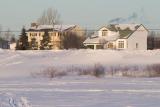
[
  {"x": 23, "y": 63},
  {"x": 17, "y": 87},
  {"x": 84, "y": 92}
]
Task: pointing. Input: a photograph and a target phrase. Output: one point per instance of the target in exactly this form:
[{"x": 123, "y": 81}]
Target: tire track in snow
[{"x": 10, "y": 100}]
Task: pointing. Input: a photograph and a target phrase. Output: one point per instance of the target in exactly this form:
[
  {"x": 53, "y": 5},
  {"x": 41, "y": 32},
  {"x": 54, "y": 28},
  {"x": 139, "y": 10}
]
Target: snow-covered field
[
  {"x": 23, "y": 63},
  {"x": 82, "y": 92},
  {"x": 18, "y": 88}
]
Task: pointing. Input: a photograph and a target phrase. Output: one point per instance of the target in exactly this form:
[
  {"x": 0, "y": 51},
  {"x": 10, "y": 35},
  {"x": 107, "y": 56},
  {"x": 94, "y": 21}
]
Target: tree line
[
  {"x": 7, "y": 36},
  {"x": 153, "y": 41},
  {"x": 69, "y": 40}
]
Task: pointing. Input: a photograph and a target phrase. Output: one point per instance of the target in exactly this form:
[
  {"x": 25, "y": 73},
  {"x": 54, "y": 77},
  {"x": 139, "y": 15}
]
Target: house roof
[
  {"x": 95, "y": 39},
  {"x": 90, "y": 40},
  {"x": 51, "y": 27},
  {"x": 125, "y": 30}
]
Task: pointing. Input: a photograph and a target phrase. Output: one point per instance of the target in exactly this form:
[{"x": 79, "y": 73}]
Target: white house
[{"x": 119, "y": 36}]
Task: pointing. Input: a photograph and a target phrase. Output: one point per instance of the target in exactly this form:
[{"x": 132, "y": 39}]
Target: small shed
[{"x": 4, "y": 44}]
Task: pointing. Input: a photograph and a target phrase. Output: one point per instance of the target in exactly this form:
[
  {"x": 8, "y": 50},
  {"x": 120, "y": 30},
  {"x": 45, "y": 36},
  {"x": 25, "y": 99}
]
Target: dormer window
[{"x": 104, "y": 32}]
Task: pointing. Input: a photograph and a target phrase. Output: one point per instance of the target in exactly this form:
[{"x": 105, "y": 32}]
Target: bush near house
[{"x": 72, "y": 41}]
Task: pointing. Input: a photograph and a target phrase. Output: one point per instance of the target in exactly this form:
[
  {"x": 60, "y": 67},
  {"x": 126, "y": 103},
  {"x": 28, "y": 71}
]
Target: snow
[
  {"x": 56, "y": 27},
  {"x": 63, "y": 27},
  {"x": 82, "y": 92},
  {"x": 130, "y": 26},
  {"x": 113, "y": 37},
  {"x": 9, "y": 100},
  {"x": 92, "y": 40},
  {"x": 101, "y": 40},
  {"x": 23, "y": 63},
  {"x": 19, "y": 89}
]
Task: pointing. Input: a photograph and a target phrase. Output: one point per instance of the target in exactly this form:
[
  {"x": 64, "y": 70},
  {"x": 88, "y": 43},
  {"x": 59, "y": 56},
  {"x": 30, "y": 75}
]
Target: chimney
[{"x": 34, "y": 25}]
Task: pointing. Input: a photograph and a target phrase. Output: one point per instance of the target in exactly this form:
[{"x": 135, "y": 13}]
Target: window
[
  {"x": 104, "y": 32},
  {"x": 90, "y": 46},
  {"x": 110, "y": 45},
  {"x": 59, "y": 34},
  {"x": 120, "y": 44},
  {"x": 34, "y": 34},
  {"x": 54, "y": 33},
  {"x": 99, "y": 47}
]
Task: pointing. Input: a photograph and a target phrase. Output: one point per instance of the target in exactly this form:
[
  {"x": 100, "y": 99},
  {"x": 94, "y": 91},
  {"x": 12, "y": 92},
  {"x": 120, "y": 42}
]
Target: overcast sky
[{"x": 87, "y": 13}]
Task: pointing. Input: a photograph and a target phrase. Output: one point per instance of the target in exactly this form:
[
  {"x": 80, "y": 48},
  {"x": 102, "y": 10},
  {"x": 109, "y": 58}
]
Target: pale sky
[{"x": 87, "y": 13}]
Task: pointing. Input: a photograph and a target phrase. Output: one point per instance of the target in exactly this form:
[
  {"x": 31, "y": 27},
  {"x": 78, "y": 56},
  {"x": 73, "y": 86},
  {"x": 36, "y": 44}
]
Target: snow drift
[{"x": 23, "y": 63}]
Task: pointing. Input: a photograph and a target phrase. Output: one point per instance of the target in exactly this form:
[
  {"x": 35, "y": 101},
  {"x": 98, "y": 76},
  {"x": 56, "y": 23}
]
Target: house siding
[
  {"x": 139, "y": 37},
  {"x": 55, "y": 38}
]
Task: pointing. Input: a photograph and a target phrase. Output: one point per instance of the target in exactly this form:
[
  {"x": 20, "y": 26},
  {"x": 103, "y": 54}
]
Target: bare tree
[
  {"x": 7, "y": 34},
  {"x": 49, "y": 17},
  {"x": 72, "y": 41},
  {"x": 1, "y": 31},
  {"x": 13, "y": 39}
]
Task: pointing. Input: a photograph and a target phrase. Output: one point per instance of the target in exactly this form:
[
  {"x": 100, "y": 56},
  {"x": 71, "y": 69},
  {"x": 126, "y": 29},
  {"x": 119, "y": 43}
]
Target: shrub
[
  {"x": 52, "y": 72},
  {"x": 97, "y": 70},
  {"x": 152, "y": 70}
]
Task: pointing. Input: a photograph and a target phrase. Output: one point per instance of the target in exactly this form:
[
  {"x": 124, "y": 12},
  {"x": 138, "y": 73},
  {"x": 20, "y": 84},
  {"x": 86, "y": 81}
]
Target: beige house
[{"x": 35, "y": 34}]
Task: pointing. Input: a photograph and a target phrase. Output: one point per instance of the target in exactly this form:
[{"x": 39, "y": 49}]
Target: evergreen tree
[
  {"x": 34, "y": 44},
  {"x": 1, "y": 39},
  {"x": 23, "y": 41},
  {"x": 45, "y": 41}
]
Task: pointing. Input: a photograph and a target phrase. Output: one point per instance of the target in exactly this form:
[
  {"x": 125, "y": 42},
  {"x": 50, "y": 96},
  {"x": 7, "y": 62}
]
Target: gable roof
[{"x": 137, "y": 29}]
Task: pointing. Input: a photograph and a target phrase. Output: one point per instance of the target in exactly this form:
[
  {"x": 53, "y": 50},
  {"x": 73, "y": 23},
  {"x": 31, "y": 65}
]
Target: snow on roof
[
  {"x": 44, "y": 27},
  {"x": 63, "y": 27},
  {"x": 90, "y": 40},
  {"x": 111, "y": 37},
  {"x": 56, "y": 27},
  {"x": 124, "y": 26},
  {"x": 101, "y": 40}
]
